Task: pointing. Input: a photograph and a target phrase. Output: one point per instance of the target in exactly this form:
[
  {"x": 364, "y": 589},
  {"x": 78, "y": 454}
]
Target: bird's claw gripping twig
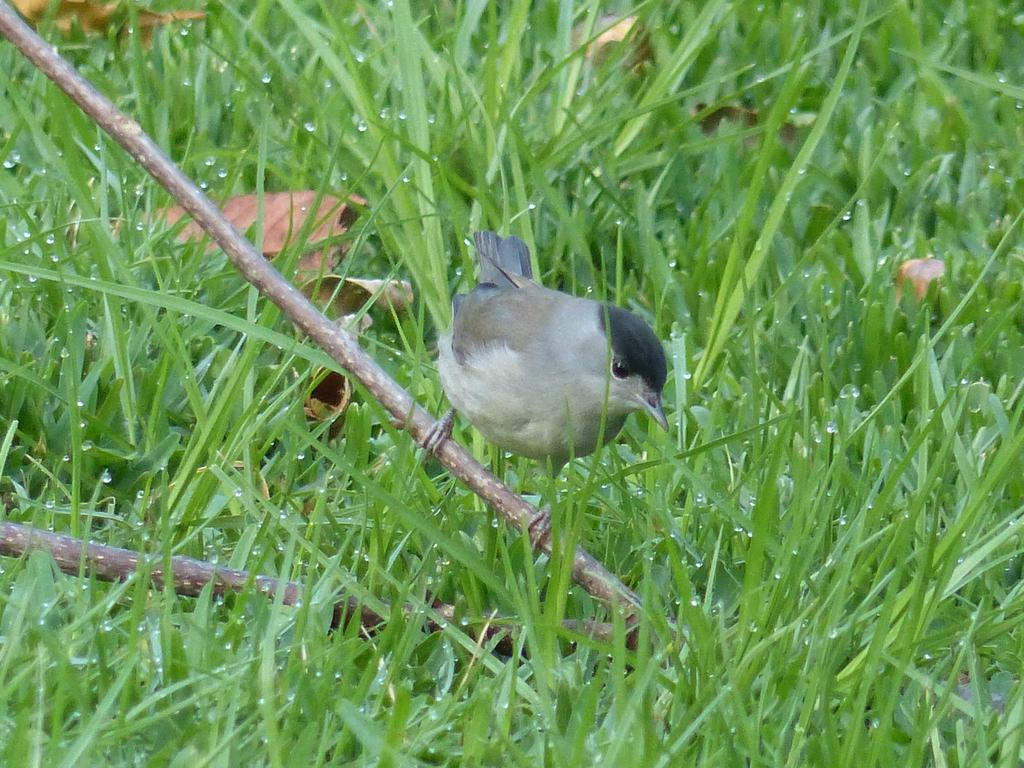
[
  {"x": 539, "y": 528},
  {"x": 439, "y": 432}
]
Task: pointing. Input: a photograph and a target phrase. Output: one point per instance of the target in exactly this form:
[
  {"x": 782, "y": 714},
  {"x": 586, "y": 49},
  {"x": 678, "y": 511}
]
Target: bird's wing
[{"x": 491, "y": 317}]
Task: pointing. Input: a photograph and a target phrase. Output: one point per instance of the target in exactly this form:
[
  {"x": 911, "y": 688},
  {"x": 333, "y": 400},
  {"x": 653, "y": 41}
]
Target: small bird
[{"x": 541, "y": 373}]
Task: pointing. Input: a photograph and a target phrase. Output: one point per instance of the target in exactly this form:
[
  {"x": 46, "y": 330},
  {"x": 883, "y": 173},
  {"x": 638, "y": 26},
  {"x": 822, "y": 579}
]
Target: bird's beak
[{"x": 652, "y": 404}]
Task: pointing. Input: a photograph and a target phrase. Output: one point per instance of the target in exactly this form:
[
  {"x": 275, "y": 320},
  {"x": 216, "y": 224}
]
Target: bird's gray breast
[{"x": 527, "y": 367}]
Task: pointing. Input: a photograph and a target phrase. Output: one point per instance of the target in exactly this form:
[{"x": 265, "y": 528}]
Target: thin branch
[
  {"x": 588, "y": 572},
  {"x": 188, "y": 576}
]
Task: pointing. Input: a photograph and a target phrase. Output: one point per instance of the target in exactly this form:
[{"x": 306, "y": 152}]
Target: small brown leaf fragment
[
  {"x": 346, "y": 296},
  {"x": 920, "y": 273},
  {"x": 99, "y": 17},
  {"x": 32, "y": 10},
  {"x": 329, "y": 398},
  {"x": 285, "y": 216},
  {"x": 732, "y": 113},
  {"x": 615, "y": 30},
  {"x": 710, "y": 122},
  {"x": 397, "y": 295}
]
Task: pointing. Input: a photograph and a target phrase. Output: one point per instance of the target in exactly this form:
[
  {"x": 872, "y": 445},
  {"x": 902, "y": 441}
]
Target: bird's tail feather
[{"x": 504, "y": 261}]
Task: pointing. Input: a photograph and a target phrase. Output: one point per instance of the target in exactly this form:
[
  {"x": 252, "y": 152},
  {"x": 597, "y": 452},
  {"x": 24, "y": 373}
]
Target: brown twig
[
  {"x": 188, "y": 576},
  {"x": 342, "y": 346}
]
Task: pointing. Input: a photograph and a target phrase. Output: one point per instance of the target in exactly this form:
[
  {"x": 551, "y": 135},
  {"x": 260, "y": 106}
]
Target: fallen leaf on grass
[
  {"x": 731, "y": 113},
  {"x": 329, "y": 398},
  {"x": 285, "y": 217},
  {"x": 921, "y": 273},
  {"x": 710, "y": 122},
  {"x": 345, "y": 298},
  {"x": 348, "y": 295},
  {"x": 99, "y": 17},
  {"x": 614, "y": 31}
]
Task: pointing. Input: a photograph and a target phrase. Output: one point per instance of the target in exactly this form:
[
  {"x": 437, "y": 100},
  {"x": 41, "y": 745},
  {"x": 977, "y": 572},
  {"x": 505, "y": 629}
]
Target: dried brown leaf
[
  {"x": 99, "y": 17},
  {"x": 921, "y": 273},
  {"x": 346, "y": 296},
  {"x": 329, "y": 398},
  {"x": 615, "y": 30},
  {"x": 284, "y": 216},
  {"x": 732, "y": 113}
]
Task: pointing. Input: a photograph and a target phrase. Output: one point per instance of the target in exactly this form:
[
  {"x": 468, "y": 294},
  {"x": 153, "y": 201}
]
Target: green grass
[{"x": 834, "y": 516}]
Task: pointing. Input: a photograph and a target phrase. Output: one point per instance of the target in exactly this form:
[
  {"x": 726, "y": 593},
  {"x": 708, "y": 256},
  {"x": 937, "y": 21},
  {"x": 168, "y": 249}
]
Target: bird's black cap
[{"x": 635, "y": 345}]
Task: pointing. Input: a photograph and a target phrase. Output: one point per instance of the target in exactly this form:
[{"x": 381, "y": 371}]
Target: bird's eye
[{"x": 619, "y": 369}]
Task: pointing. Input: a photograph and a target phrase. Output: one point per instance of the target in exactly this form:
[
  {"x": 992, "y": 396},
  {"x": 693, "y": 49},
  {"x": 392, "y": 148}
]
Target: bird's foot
[
  {"x": 539, "y": 528},
  {"x": 439, "y": 432}
]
